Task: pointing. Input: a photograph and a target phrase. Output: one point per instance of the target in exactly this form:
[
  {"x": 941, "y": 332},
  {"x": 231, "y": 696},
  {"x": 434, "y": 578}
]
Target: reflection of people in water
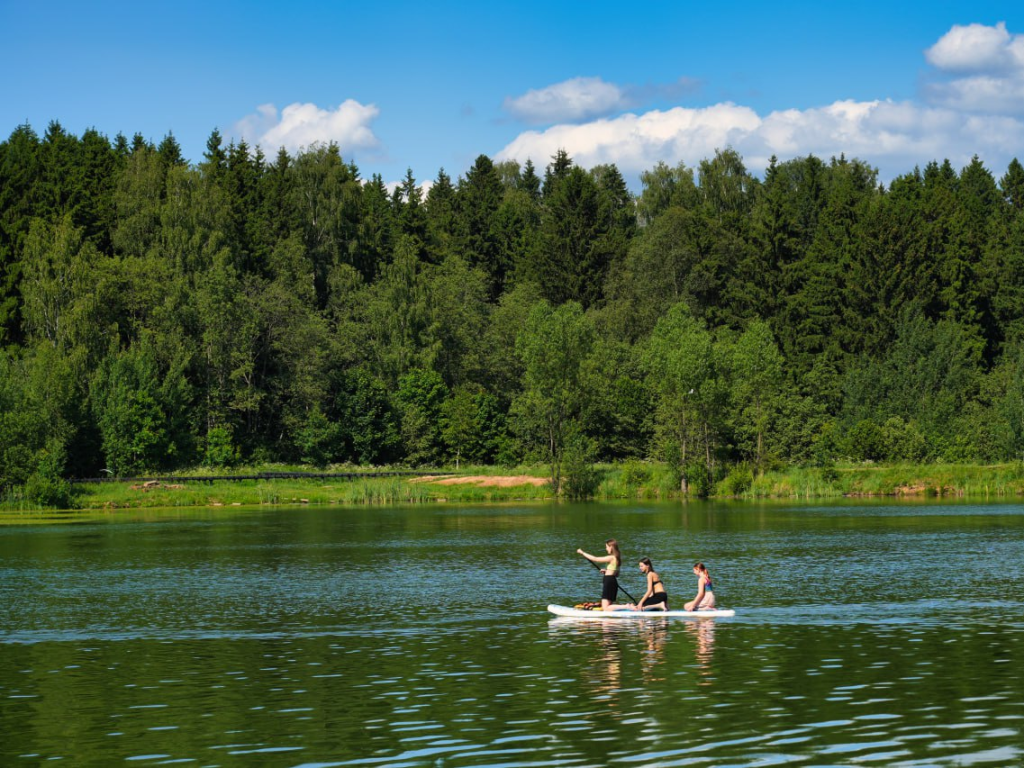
[
  {"x": 604, "y": 673},
  {"x": 654, "y": 634},
  {"x": 705, "y": 599},
  {"x": 704, "y": 637}
]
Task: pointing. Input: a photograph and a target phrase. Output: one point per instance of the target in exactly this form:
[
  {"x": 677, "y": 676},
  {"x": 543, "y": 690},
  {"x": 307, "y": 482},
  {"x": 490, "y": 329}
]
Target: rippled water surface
[{"x": 864, "y": 634}]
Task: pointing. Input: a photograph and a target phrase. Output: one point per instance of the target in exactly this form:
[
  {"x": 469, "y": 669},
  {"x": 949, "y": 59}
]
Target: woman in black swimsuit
[{"x": 655, "y": 597}]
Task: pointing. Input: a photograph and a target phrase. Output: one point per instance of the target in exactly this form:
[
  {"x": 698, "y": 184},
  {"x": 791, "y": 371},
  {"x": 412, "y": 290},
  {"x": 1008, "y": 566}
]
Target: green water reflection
[{"x": 865, "y": 633}]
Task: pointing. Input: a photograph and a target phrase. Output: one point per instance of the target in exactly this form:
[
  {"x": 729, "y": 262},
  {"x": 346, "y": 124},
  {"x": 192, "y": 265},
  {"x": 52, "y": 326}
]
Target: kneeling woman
[
  {"x": 705, "y": 599},
  {"x": 610, "y": 582},
  {"x": 655, "y": 597}
]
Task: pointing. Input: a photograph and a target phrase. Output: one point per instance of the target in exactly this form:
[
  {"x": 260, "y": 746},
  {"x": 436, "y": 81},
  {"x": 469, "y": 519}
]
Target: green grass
[
  {"x": 626, "y": 480},
  {"x": 192, "y": 490},
  {"x": 907, "y": 480}
]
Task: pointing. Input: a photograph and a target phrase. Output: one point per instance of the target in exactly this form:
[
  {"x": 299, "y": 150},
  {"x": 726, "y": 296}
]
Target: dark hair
[
  {"x": 615, "y": 551},
  {"x": 646, "y": 561}
]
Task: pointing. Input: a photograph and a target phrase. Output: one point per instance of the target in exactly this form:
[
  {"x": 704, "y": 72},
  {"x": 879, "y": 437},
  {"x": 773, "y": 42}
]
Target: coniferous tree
[
  {"x": 441, "y": 218},
  {"x": 479, "y": 196},
  {"x": 19, "y": 204}
]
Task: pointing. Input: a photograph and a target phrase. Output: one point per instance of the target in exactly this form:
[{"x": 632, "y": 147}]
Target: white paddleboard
[{"x": 579, "y": 613}]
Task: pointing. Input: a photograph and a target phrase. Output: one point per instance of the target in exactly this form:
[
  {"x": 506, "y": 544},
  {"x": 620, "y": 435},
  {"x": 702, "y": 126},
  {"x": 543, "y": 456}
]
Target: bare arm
[
  {"x": 692, "y": 606},
  {"x": 700, "y": 592},
  {"x": 595, "y": 559},
  {"x": 649, "y": 592}
]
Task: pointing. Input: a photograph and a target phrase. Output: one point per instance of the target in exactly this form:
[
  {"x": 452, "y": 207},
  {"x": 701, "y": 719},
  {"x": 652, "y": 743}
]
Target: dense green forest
[{"x": 157, "y": 314}]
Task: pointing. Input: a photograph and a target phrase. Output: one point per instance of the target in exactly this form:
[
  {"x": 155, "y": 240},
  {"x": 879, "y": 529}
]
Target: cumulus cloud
[
  {"x": 892, "y": 136},
  {"x": 983, "y": 93},
  {"x": 584, "y": 98},
  {"x": 991, "y": 61},
  {"x": 302, "y": 125},
  {"x": 978, "y": 108},
  {"x": 391, "y": 186},
  {"x": 576, "y": 99},
  {"x": 977, "y": 48}
]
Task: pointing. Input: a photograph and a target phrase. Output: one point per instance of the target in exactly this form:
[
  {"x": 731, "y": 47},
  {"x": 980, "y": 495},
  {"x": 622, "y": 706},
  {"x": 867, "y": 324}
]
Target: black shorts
[
  {"x": 657, "y": 599},
  {"x": 609, "y": 588}
]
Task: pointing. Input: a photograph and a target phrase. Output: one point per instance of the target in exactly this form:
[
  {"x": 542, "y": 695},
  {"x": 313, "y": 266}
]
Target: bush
[
  {"x": 319, "y": 440},
  {"x": 635, "y": 474},
  {"x": 510, "y": 452},
  {"x": 46, "y": 486},
  {"x": 865, "y": 442},
  {"x": 46, "y": 490},
  {"x": 738, "y": 481},
  {"x": 673, "y": 458},
  {"x": 698, "y": 479},
  {"x": 829, "y": 473},
  {"x": 581, "y": 479},
  {"x": 900, "y": 441},
  {"x": 220, "y": 448}
]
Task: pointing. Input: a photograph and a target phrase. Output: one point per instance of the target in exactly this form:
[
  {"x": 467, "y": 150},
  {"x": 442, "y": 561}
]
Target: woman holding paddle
[{"x": 610, "y": 582}]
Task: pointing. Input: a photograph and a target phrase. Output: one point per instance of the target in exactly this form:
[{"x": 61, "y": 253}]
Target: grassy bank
[
  {"x": 628, "y": 480},
  {"x": 843, "y": 480},
  {"x": 195, "y": 490},
  {"x": 933, "y": 480}
]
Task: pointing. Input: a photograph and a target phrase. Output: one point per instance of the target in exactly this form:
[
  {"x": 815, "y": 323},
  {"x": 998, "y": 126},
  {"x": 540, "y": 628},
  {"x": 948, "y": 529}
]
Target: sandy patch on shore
[
  {"x": 152, "y": 485},
  {"x": 496, "y": 481}
]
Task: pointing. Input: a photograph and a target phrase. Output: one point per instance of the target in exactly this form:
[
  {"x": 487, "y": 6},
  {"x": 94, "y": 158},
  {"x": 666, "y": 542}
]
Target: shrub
[
  {"x": 738, "y": 481},
  {"x": 319, "y": 440},
  {"x": 635, "y": 474},
  {"x": 900, "y": 441},
  {"x": 46, "y": 486},
  {"x": 581, "y": 479},
  {"x": 865, "y": 441},
  {"x": 698, "y": 479},
  {"x": 220, "y": 448}
]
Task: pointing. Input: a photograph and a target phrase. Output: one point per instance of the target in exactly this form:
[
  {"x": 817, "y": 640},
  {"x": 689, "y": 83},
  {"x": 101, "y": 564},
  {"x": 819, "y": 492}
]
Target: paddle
[{"x": 621, "y": 588}]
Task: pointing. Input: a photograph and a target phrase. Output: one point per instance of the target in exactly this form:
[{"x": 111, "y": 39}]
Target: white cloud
[
  {"x": 982, "y": 93},
  {"x": 891, "y": 136},
  {"x": 977, "y": 48},
  {"x": 302, "y": 125},
  {"x": 977, "y": 109},
  {"x": 576, "y": 99},
  {"x": 637, "y": 141},
  {"x": 424, "y": 187},
  {"x": 992, "y": 61},
  {"x": 584, "y": 98}
]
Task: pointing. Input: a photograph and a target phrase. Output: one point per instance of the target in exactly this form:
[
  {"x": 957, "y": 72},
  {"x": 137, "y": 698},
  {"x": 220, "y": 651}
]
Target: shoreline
[{"x": 633, "y": 480}]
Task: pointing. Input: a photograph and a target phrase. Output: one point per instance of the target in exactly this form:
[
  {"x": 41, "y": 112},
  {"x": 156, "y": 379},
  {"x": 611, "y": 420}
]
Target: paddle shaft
[{"x": 621, "y": 588}]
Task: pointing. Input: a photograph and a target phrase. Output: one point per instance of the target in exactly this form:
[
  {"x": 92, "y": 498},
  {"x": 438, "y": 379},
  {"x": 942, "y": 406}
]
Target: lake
[{"x": 866, "y": 633}]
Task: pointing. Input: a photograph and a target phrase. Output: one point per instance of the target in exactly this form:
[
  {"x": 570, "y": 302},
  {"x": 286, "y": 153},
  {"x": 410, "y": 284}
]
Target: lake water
[{"x": 865, "y": 634}]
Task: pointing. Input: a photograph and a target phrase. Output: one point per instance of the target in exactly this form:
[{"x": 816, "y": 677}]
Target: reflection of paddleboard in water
[{"x": 580, "y": 613}]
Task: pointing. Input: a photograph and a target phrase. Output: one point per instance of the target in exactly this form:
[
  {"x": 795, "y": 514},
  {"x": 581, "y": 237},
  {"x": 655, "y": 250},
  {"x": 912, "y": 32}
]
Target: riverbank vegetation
[
  {"x": 639, "y": 481},
  {"x": 743, "y": 334}
]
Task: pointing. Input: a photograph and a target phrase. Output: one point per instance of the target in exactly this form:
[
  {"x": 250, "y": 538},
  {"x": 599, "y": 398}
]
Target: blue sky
[{"x": 424, "y": 86}]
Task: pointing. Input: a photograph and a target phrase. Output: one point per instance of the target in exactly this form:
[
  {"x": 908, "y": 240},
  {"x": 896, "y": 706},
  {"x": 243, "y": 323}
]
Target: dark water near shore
[{"x": 865, "y": 634}]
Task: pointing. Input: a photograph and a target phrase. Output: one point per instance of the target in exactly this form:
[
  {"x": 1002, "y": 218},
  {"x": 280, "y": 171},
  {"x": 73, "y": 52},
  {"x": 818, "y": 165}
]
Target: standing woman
[
  {"x": 655, "y": 594},
  {"x": 610, "y": 583},
  {"x": 705, "y": 599}
]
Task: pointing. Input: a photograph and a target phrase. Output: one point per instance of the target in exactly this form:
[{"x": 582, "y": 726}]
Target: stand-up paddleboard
[{"x": 580, "y": 613}]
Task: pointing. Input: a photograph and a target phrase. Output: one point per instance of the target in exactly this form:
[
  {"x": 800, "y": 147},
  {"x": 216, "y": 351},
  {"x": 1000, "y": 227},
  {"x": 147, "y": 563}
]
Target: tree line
[{"x": 157, "y": 314}]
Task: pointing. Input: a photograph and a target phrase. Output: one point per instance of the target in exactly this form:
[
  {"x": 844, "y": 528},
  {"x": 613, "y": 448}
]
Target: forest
[{"x": 158, "y": 314}]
